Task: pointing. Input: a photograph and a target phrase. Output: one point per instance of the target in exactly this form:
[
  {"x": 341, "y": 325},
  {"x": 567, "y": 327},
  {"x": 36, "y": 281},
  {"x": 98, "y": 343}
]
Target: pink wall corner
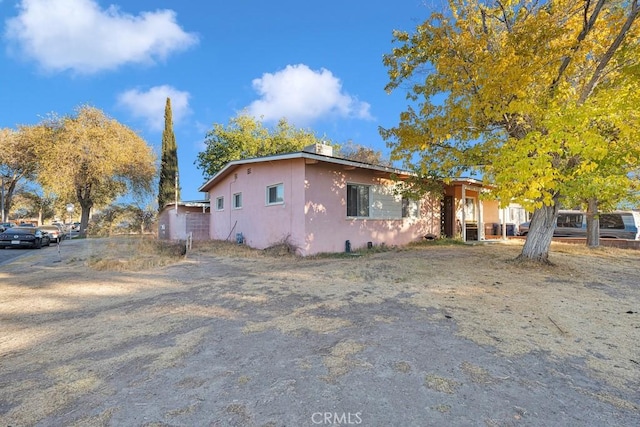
[
  {"x": 328, "y": 227},
  {"x": 261, "y": 225}
]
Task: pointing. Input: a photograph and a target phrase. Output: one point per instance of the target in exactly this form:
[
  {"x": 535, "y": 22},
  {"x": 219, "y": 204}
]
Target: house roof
[{"x": 309, "y": 157}]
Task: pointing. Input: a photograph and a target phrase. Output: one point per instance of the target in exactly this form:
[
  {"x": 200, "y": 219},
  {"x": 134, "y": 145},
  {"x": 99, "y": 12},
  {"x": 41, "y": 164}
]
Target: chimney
[{"x": 319, "y": 148}]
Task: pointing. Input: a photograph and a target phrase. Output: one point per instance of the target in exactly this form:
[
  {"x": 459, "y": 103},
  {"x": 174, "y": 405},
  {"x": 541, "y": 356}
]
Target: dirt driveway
[{"x": 433, "y": 336}]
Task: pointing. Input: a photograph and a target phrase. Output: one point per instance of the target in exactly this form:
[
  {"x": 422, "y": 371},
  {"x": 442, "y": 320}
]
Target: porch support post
[
  {"x": 464, "y": 206},
  {"x": 504, "y": 223},
  {"x": 480, "y": 217}
]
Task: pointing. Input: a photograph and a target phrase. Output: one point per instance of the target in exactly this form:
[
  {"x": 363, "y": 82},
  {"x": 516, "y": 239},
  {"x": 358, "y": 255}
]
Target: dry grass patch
[
  {"x": 66, "y": 338},
  {"x": 134, "y": 253},
  {"x": 340, "y": 360},
  {"x": 441, "y": 384}
]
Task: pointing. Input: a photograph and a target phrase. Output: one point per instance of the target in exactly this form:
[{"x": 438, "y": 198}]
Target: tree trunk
[
  {"x": 85, "y": 210},
  {"x": 593, "y": 225},
  {"x": 84, "y": 217},
  {"x": 83, "y": 193},
  {"x": 536, "y": 247}
]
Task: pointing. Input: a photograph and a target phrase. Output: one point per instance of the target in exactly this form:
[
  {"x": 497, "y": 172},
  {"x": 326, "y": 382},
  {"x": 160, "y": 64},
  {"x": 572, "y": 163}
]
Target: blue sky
[{"x": 317, "y": 63}]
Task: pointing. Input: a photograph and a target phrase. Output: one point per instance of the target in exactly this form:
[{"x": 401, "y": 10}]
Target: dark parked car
[
  {"x": 5, "y": 225},
  {"x": 32, "y": 237}
]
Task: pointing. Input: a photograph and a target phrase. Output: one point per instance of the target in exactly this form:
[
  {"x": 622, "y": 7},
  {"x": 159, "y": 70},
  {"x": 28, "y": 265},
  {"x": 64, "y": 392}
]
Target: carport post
[{"x": 504, "y": 224}]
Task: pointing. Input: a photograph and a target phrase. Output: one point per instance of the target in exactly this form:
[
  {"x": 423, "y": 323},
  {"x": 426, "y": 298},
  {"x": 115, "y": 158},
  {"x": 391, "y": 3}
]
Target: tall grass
[{"x": 135, "y": 253}]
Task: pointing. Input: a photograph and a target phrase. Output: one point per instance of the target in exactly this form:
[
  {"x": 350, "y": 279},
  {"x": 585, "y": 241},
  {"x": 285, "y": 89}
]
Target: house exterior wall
[
  {"x": 313, "y": 215},
  {"x": 197, "y": 223},
  {"x": 328, "y": 227},
  {"x": 491, "y": 211},
  {"x": 261, "y": 225}
]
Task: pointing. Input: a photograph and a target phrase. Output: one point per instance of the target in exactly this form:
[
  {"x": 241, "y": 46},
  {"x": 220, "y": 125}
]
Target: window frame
[
  {"x": 220, "y": 203},
  {"x": 570, "y": 220},
  {"x": 611, "y": 221},
  {"x": 236, "y": 200},
  {"x": 410, "y": 208},
  {"x": 360, "y": 210},
  {"x": 268, "y": 201}
]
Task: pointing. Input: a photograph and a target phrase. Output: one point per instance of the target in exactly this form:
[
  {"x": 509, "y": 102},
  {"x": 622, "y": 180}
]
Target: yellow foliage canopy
[
  {"x": 540, "y": 97},
  {"x": 91, "y": 157}
]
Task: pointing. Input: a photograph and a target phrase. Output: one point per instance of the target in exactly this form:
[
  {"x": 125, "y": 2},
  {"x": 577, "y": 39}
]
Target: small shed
[{"x": 188, "y": 217}]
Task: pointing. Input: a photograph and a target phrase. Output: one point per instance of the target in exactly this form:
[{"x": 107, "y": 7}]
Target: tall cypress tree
[{"x": 169, "y": 167}]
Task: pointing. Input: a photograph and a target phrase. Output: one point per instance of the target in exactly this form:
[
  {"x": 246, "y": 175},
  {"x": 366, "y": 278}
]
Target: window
[
  {"x": 409, "y": 208},
  {"x": 572, "y": 220},
  {"x": 611, "y": 222},
  {"x": 275, "y": 194},
  {"x": 237, "y": 201},
  {"x": 220, "y": 203},
  {"x": 357, "y": 200}
]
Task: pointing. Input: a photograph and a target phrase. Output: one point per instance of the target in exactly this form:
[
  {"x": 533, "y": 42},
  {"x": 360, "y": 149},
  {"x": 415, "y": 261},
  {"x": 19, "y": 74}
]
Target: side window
[
  {"x": 275, "y": 194},
  {"x": 406, "y": 209},
  {"x": 570, "y": 220},
  {"x": 220, "y": 203},
  {"x": 611, "y": 222},
  {"x": 357, "y": 200},
  {"x": 237, "y": 201},
  {"x": 410, "y": 208}
]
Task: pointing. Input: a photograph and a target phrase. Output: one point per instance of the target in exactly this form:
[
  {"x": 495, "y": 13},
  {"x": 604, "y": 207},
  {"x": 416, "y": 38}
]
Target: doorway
[{"x": 446, "y": 217}]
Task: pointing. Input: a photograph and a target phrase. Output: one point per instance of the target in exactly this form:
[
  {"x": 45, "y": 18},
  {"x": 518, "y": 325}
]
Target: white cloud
[
  {"x": 149, "y": 105},
  {"x": 303, "y": 95},
  {"x": 78, "y": 35}
]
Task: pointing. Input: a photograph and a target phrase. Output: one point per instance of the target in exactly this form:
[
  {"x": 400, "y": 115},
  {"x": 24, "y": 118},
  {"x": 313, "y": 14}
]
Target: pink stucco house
[{"x": 320, "y": 203}]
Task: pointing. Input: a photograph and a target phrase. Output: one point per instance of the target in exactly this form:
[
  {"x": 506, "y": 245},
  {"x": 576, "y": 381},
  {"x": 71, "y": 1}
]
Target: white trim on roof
[{"x": 298, "y": 155}]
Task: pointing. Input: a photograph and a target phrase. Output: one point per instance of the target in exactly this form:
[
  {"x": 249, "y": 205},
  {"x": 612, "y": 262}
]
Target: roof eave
[{"x": 300, "y": 155}]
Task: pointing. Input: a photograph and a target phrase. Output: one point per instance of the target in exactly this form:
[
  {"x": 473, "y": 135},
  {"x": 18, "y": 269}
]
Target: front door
[{"x": 446, "y": 217}]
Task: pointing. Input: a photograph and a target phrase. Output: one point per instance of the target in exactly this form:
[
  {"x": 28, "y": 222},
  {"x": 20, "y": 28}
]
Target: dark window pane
[
  {"x": 358, "y": 200},
  {"x": 611, "y": 222}
]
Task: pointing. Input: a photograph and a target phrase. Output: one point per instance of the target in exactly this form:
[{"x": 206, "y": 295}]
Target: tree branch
[
  {"x": 597, "y": 74},
  {"x": 587, "y": 26}
]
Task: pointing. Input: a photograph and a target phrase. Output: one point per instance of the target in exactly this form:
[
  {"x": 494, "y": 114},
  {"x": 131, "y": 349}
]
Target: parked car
[
  {"x": 615, "y": 225},
  {"x": 5, "y": 225},
  {"x": 55, "y": 233},
  {"x": 24, "y": 236}
]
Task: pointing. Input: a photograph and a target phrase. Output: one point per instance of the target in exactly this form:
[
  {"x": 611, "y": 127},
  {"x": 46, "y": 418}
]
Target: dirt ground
[{"x": 436, "y": 335}]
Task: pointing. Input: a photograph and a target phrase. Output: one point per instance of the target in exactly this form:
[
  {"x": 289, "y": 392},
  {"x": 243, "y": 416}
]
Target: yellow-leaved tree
[
  {"x": 18, "y": 161},
  {"x": 91, "y": 158},
  {"x": 540, "y": 97}
]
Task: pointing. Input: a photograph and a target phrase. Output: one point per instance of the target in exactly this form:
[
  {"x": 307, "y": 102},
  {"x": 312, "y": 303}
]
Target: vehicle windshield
[{"x": 21, "y": 230}]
